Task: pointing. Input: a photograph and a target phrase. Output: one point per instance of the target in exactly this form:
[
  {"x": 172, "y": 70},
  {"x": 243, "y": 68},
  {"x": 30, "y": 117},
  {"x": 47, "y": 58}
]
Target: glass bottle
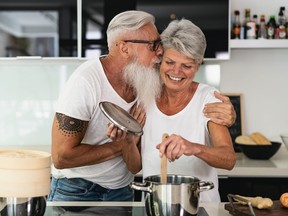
[
  {"x": 250, "y": 25},
  {"x": 262, "y": 33},
  {"x": 271, "y": 27},
  {"x": 236, "y": 25},
  {"x": 281, "y": 30},
  {"x": 255, "y": 20}
]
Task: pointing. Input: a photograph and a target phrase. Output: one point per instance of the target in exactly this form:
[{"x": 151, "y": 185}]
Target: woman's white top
[{"x": 191, "y": 124}]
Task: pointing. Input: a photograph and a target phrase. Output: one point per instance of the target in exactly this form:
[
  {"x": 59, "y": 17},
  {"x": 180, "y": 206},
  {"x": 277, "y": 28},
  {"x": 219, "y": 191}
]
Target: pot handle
[
  {"x": 145, "y": 186},
  {"x": 206, "y": 185}
]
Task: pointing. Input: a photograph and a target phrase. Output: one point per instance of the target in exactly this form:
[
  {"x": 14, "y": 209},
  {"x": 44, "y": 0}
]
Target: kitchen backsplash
[{"x": 28, "y": 95}]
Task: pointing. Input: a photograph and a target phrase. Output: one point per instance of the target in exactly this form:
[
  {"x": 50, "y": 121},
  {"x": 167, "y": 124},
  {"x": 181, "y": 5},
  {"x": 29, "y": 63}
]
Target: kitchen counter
[
  {"x": 276, "y": 166},
  {"x": 116, "y": 208}
]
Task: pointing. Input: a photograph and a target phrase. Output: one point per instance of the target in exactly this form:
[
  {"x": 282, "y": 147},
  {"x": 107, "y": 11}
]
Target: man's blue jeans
[{"x": 78, "y": 189}]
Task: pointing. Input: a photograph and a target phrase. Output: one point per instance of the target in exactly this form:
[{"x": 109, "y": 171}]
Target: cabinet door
[
  {"x": 38, "y": 28},
  {"x": 265, "y": 187}
]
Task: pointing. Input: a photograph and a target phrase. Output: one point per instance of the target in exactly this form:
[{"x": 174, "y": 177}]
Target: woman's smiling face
[{"x": 177, "y": 70}]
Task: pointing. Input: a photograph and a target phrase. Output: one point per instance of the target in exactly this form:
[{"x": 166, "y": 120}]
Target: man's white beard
[{"x": 145, "y": 81}]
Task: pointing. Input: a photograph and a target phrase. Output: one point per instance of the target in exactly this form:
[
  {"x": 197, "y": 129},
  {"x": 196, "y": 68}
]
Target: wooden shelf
[{"x": 259, "y": 43}]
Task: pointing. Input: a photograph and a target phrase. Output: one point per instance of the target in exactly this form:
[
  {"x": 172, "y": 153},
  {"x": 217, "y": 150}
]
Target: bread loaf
[
  {"x": 260, "y": 139},
  {"x": 244, "y": 140},
  {"x": 255, "y": 138}
]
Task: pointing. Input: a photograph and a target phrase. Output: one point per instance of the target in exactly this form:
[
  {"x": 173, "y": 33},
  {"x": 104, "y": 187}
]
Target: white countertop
[{"x": 277, "y": 166}]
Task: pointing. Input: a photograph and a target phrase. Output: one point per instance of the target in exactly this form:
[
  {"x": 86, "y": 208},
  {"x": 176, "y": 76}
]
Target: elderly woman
[{"x": 196, "y": 145}]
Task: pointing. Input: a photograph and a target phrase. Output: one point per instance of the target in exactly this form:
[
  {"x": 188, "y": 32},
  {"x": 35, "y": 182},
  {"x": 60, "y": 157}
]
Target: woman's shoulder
[
  {"x": 204, "y": 88},
  {"x": 206, "y": 93}
]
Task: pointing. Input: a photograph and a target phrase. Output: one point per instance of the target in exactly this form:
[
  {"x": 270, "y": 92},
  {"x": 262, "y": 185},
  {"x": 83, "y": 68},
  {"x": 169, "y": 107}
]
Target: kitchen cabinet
[
  {"x": 49, "y": 29},
  {"x": 249, "y": 186}
]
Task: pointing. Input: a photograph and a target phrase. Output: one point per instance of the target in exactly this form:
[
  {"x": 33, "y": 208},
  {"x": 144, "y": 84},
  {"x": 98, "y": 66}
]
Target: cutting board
[{"x": 243, "y": 210}]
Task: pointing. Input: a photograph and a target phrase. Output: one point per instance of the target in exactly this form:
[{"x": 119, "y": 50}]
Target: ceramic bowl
[{"x": 260, "y": 152}]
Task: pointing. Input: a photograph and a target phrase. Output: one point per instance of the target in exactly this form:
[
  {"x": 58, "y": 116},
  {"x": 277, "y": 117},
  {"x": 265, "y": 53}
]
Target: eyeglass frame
[{"x": 155, "y": 43}]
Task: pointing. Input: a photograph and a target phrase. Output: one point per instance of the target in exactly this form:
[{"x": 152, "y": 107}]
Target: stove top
[{"x": 102, "y": 211}]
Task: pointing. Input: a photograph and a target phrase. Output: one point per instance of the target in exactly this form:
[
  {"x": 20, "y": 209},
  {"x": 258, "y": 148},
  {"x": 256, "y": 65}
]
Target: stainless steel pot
[
  {"x": 15, "y": 206},
  {"x": 178, "y": 197}
]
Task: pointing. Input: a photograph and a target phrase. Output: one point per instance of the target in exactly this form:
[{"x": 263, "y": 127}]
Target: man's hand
[{"x": 221, "y": 112}]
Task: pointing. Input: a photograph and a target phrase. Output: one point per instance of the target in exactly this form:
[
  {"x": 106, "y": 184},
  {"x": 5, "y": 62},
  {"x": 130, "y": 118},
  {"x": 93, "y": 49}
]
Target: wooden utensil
[{"x": 163, "y": 177}]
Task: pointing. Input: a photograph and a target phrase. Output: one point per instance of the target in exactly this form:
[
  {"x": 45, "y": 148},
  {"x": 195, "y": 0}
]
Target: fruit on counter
[
  {"x": 284, "y": 199},
  {"x": 257, "y": 202},
  {"x": 255, "y": 138}
]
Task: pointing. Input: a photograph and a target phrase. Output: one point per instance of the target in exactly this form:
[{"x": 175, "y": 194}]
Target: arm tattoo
[{"x": 69, "y": 126}]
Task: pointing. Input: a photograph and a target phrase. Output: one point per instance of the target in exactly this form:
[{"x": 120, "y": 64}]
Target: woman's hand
[
  {"x": 222, "y": 113},
  {"x": 220, "y": 155},
  {"x": 175, "y": 146}
]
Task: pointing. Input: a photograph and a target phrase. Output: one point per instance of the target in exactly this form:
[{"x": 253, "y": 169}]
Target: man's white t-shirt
[{"x": 80, "y": 99}]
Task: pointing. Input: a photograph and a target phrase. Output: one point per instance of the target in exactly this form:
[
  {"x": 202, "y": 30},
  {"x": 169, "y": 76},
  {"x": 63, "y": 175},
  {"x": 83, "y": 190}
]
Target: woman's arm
[{"x": 220, "y": 155}]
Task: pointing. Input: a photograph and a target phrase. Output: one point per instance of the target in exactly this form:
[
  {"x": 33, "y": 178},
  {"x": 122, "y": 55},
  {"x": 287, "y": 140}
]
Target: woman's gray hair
[
  {"x": 185, "y": 37},
  {"x": 130, "y": 21}
]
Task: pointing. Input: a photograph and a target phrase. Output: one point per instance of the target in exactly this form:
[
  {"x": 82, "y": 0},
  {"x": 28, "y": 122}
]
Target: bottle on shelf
[
  {"x": 281, "y": 30},
  {"x": 250, "y": 25},
  {"x": 271, "y": 27},
  {"x": 236, "y": 25},
  {"x": 255, "y": 19},
  {"x": 262, "y": 33}
]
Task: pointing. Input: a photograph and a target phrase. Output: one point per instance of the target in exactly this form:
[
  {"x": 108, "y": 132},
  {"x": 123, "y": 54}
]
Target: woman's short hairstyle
[
  {"x": 185, "y": 37},
  {"x": 125, "y": 22}
]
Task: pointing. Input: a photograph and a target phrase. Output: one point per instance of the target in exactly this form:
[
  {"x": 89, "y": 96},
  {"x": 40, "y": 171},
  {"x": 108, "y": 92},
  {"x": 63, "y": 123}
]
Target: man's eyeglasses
[{"x": 153, "y": 45}]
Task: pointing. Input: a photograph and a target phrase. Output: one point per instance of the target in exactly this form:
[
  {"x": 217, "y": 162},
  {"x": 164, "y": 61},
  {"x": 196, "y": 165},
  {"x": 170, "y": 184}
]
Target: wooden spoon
[{"x": 163, "y": 177}]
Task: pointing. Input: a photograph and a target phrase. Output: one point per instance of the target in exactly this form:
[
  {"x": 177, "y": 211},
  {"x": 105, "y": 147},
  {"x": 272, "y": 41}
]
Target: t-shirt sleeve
[
  {"x": 76, "y": 99},
  {"x": 210, "y": 98}
]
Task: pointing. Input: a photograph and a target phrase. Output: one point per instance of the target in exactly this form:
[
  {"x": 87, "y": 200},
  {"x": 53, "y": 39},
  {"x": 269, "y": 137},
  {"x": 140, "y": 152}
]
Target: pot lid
[{"x": 121, "y": 118}]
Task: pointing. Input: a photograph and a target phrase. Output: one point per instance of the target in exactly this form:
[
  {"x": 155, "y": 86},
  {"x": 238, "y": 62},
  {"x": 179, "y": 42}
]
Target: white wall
[{"x": 261, "y": 75}]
